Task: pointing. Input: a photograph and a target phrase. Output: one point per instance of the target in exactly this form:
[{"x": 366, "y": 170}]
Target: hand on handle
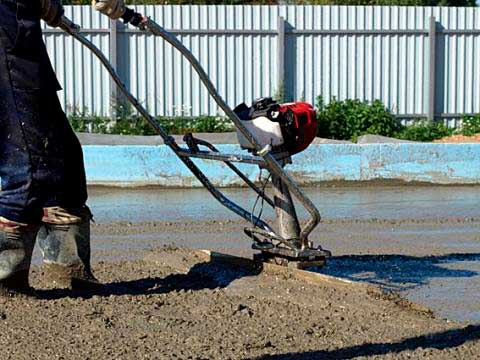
[
  {"x": 52, "y": 12},
  {"x": 114, "y": 9}
]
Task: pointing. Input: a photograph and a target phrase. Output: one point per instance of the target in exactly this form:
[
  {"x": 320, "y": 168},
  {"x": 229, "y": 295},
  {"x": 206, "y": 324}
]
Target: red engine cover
[{"x": 301, "y": 128}]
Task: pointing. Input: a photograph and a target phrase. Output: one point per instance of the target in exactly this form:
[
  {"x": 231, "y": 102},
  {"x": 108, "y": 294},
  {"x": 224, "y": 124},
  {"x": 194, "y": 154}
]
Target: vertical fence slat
[
  {"x": 432, "y": 61},
  {"x": 281, "y": 55},
  {"x": 114, "y": 61}
]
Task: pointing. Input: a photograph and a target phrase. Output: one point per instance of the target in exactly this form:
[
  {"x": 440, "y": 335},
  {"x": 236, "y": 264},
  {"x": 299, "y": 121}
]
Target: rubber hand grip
[{"x": 132, "y": 17}]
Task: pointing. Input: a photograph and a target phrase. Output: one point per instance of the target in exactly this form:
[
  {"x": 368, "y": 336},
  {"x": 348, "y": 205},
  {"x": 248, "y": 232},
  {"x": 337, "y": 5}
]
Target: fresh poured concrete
[{"x": 421, "y": 241}]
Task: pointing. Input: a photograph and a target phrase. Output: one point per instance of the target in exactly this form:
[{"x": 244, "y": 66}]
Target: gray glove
[
  {"x": 52, "y": 11},
  {"x": 112, "y": 8}
]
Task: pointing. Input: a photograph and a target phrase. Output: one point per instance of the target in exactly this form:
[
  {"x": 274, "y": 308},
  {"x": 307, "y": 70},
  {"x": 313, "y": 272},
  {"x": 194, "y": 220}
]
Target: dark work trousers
[{"x": 41, "y": 160}]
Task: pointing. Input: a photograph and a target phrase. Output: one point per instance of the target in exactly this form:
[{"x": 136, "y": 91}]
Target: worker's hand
[
  {"x": 114, "y": 9},
  {"x": 52, "y": 11}
]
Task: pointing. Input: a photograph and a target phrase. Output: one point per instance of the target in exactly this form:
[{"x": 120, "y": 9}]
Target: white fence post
[
  {"x": 432, "y": 37},
  {"x": 115, "y": 26},
  {"x": 281, "y": 57}
]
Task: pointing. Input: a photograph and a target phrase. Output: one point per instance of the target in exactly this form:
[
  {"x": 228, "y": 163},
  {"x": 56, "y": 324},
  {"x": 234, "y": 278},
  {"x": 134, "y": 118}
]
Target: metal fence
[{"x": 419, "y": 61}]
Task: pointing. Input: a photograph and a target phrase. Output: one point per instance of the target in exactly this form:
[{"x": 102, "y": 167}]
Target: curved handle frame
[{"x": 269, "y": 160}]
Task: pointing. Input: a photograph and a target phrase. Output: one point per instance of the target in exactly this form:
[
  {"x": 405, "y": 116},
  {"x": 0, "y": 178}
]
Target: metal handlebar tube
[
  {"x": 288, "y": 226},
  {"x": 212, "y": 155},
  {"x": 296, "y": 248},
  {"x": 193, "y": 142},
  {"x": 272, "y": 164},
  {"x": 74, "y": 31}
]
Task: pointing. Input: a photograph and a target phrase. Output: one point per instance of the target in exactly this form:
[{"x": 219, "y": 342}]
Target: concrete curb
[{"x": 131, "y": 165}]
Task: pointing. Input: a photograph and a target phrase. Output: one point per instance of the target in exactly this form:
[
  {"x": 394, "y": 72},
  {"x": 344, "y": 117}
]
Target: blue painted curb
[{"x": 157, "y": 165}]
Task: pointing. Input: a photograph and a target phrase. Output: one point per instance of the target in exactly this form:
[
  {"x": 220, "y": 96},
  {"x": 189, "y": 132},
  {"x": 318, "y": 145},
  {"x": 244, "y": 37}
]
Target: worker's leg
[
  {"x": 20, "y": 193},
  {"x": 20, "y": 200},
  {"x": 41, "y": 163},
  {"x": 27, "y": 155},
  {"x": 64, "y": 237}
]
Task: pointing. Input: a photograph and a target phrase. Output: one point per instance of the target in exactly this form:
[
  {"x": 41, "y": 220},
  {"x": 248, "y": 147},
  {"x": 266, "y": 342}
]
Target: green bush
[
  {"x": 134, "y": 125},
  {"x": 81, "y": 122},
  {"x": 342, "y": 120},
  {"x": 470, "y": 125},
  {"x": 349, "y": 119},
  {"x": 424, "y": 130}
]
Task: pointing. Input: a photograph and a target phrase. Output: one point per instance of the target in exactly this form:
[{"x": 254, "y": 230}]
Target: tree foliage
[{"x": 424, "y": 130}]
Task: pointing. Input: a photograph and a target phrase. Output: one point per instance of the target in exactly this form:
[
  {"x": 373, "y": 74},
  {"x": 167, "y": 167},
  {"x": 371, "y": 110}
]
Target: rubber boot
[
  {"x": 16, "y": 247},
  {"x": 64, "y": 239}
]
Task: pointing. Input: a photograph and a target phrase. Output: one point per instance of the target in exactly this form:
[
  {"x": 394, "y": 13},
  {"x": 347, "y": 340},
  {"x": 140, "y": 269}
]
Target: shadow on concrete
[
  {"x": 200, "y": 276},
  {"x": 398, "y": 272},
  {"x": 442, "y": 340},
  {"x": 394, "y": 272}
]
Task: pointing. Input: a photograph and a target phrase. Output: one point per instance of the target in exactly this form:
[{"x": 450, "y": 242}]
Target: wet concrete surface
[
  {"x": 379, "y": 202},
  {"x": 421, "y": 241}
]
